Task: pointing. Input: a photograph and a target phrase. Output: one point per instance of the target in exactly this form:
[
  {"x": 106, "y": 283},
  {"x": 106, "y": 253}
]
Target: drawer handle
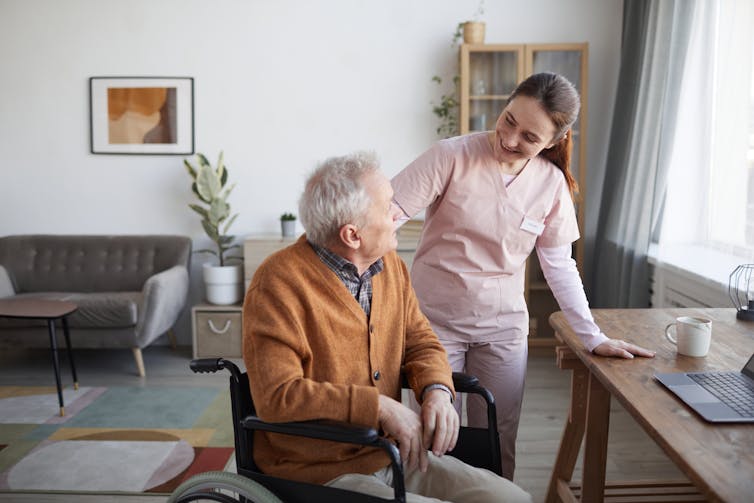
[{"x": 215, "y": 330}]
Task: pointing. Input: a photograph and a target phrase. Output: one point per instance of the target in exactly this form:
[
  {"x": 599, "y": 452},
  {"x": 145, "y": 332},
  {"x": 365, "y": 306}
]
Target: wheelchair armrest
[
  {"x": 323, "y": 430},
  {"x": 465, "y": 383},
  {"x": 338, "y": 432}
]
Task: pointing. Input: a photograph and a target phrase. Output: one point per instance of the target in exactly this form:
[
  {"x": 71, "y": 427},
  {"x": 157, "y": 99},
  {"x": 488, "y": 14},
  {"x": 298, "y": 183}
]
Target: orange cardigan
[{"x": 311, "y": 354}]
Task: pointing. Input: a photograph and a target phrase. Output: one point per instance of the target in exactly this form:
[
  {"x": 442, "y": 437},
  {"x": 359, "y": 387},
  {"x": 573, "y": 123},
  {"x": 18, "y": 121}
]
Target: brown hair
[{"x": 561, "y": 101}]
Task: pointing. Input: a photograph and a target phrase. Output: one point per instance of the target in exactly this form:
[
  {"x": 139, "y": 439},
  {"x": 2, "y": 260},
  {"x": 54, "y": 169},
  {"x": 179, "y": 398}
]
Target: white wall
[{"x": 279, "y": 85}]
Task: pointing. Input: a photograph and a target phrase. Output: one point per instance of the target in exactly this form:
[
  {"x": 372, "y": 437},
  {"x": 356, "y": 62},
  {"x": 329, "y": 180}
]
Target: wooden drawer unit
[
  {"x": 216, "y": 331},
  {"x": 258, "y": 248}
]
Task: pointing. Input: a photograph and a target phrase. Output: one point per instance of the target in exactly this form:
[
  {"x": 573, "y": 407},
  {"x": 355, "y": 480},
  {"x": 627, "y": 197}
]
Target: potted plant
[
  {"x": 288, "y": 225},
  {"x": 223, "y": 282},
  {"x": 471, "y": 31}
]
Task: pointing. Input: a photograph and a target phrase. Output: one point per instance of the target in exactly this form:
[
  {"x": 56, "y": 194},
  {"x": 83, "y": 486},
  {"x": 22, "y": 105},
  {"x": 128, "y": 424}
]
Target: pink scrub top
[{"x": 469, "y": 267}]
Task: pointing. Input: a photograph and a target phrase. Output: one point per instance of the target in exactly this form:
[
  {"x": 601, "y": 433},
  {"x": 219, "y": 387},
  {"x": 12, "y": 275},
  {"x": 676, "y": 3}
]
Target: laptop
[{"x": 719, "y": 397}]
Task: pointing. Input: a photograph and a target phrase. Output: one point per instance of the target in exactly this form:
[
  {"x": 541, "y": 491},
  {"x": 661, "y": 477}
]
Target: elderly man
[{"x": 329, "y": 323}]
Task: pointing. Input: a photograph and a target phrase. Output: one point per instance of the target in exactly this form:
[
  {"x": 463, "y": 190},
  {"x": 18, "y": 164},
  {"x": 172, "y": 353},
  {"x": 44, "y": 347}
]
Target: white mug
[{"x": 693, "y": 335}]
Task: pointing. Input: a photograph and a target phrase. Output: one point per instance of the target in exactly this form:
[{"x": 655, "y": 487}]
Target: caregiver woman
[{"x": 491, "y": 198}]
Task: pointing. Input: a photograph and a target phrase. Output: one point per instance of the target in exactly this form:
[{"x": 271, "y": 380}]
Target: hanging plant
[{"x": 447, "y": 109}]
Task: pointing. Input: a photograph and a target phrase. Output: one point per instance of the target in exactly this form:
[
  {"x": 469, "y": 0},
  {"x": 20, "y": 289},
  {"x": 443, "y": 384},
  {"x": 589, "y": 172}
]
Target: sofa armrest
[
  {"x": 6, "y": 285},
  {"x": 164, "y": 296}
]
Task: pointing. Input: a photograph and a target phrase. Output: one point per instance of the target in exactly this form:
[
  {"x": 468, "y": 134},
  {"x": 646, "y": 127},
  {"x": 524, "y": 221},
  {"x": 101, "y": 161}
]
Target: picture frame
[{"x": 141, "y": 115}]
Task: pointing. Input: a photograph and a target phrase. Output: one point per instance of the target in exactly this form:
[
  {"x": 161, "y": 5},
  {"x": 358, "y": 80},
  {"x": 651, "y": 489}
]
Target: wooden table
[
  {"x": 718, "y": 459},
  {"x": 49, "y": 310}
]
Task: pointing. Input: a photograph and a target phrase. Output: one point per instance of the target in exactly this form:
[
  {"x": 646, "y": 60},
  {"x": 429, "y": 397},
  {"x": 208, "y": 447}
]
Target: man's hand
[
  {"x": 440, "y": 421},
  {"x": 404, "y": 425},
  {"x": 622, "y": 349}
]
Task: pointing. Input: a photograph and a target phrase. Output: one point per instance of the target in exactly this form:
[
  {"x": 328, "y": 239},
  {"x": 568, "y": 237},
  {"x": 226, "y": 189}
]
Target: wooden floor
[{"x": 631, "y": 454}]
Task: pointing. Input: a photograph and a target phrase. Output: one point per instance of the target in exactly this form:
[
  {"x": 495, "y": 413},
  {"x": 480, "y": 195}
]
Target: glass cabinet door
[
  {"x": 489, "y": 73},
  {"x": 568, "y": 60}
]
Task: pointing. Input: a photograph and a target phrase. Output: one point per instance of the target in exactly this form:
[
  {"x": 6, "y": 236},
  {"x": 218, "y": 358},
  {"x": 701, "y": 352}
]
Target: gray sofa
[{"x": 130, "y": 289}]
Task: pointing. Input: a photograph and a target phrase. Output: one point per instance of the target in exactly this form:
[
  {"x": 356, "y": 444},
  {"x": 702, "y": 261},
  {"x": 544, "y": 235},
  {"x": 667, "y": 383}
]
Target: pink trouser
[{"x": 501, "y": 368}]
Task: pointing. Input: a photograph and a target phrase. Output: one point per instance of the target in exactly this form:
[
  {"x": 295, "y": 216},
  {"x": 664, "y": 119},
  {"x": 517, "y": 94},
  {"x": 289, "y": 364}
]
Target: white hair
[{"x": 334, "y": 195}]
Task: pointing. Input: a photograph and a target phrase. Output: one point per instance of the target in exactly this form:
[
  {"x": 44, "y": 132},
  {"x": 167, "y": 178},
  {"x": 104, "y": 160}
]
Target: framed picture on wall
[{"x": 141, "y": 115}]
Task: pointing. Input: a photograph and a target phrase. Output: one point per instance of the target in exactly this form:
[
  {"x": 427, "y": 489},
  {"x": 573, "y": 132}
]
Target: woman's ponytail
[{"x": 560, "y": 156}]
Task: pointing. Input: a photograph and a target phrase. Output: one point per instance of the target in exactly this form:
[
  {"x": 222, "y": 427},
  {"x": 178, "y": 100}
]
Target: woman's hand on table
[{"x": 621, "y": 349}]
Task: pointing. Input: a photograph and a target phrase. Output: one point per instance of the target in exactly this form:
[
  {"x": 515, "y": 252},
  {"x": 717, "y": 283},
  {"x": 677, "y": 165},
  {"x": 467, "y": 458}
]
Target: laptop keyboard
[{"x": 731, "y": 388}]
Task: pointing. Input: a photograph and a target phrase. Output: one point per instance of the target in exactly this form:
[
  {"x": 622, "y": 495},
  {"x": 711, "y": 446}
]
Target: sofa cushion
[{"x": 96, "y": 310}]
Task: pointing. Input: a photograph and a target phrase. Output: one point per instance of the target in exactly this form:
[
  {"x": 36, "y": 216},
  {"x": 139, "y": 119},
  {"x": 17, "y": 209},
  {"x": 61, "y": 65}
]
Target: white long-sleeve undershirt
[{"x": 565, "y": 284}]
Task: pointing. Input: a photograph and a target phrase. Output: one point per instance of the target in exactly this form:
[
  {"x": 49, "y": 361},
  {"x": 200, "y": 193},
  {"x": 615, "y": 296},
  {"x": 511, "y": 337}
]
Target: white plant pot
[
  {"x": 223, "y": 285},
  {"x": 288, "y": 228}
]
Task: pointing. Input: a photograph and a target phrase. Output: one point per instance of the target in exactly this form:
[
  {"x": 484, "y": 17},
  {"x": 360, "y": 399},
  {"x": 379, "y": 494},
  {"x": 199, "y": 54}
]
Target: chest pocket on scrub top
[{"x": 521, "y": 233}]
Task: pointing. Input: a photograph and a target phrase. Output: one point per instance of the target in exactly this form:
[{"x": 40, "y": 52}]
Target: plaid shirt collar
[{"x": 359, "y": 286}]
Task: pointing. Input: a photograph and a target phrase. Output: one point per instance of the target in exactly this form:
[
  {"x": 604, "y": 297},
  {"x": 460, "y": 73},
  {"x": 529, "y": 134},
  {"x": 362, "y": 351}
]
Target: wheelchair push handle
[{"x": 205, "y": 365}]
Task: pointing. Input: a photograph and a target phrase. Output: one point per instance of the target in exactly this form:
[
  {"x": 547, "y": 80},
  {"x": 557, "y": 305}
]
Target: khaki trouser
[{"x": 446, "y": 480}]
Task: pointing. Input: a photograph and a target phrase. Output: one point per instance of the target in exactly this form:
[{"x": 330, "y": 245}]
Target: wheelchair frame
[{"x": 476, "y": 446}]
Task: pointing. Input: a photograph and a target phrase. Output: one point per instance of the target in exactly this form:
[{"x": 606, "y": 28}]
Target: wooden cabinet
[
  {"x": 216, "y": 331},
  {"x": 489, "y": 74},
  {"x": 258, "y": 248}
]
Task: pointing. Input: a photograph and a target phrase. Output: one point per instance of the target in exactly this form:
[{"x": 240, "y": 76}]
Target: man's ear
[{"x": 349, "y": 236}]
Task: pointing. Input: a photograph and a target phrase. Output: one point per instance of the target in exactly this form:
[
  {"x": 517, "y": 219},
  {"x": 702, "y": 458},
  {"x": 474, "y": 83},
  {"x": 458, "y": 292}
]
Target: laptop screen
[{"x": 749, "y": 367}]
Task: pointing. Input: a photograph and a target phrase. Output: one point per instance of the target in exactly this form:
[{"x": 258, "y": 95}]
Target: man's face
[{"x": 378, "y": 234}]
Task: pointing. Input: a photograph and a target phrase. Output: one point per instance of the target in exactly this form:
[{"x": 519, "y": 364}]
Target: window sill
[{"x": 696, "y": 272}]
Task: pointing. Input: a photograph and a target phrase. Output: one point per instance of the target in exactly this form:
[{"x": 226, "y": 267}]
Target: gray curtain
[{"x": 656, "y": 34}]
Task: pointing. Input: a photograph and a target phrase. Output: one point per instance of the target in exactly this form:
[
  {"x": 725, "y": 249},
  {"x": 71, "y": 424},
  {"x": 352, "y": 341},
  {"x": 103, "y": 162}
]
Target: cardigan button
[
  {"x": 377, "y": 375},
  {"x": 371, "y": 329}
]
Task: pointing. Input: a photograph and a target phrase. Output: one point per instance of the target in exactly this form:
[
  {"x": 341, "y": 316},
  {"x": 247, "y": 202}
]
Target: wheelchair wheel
[{"x": 225, "y": 487}]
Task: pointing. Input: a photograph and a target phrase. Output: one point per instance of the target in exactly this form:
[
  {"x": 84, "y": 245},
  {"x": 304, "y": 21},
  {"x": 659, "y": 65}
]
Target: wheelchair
[{"x": 476, "y": 446}]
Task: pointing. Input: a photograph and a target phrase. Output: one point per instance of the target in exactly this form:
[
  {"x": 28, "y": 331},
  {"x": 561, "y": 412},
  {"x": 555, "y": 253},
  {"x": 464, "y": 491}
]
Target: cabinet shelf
[{"x": 490, "y": 97}]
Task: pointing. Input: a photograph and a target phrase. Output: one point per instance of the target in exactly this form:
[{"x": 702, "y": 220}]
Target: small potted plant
[
  {"x": 223, "y": 282},
  {"x": 472, "y": 31},
  {"x": 288, "y": 225}
]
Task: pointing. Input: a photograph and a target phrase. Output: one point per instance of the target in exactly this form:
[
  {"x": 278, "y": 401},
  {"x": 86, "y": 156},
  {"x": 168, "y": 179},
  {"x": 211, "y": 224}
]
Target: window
[
  {"x": 750, "y": 166},
  {"x": 710, "y": 191},
  {"x": 730, "y": 221}
]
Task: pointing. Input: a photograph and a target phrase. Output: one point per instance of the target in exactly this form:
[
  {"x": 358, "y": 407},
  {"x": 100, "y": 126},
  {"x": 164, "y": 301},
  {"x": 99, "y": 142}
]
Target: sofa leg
[
  {"x": 139, "y": 361},
  {"x": 172, "y": 339}
]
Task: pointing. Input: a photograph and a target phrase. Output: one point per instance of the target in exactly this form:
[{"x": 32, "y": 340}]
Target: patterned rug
[{"x": 129, "y": 439}]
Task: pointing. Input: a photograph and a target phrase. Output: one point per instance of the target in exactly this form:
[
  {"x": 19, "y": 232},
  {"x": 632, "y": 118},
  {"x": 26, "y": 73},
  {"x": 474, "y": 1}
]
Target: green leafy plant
[
  {"x": 447, "y": 109},
  {"x": 208, "y": 183},
  {"x": 287, "y": 217},
  {"x": 458, "y": 35}
]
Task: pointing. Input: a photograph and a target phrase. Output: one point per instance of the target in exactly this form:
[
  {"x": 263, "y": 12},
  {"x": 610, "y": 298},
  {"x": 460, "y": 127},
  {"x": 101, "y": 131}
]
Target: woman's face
[{"x": 523, "y": 130}]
